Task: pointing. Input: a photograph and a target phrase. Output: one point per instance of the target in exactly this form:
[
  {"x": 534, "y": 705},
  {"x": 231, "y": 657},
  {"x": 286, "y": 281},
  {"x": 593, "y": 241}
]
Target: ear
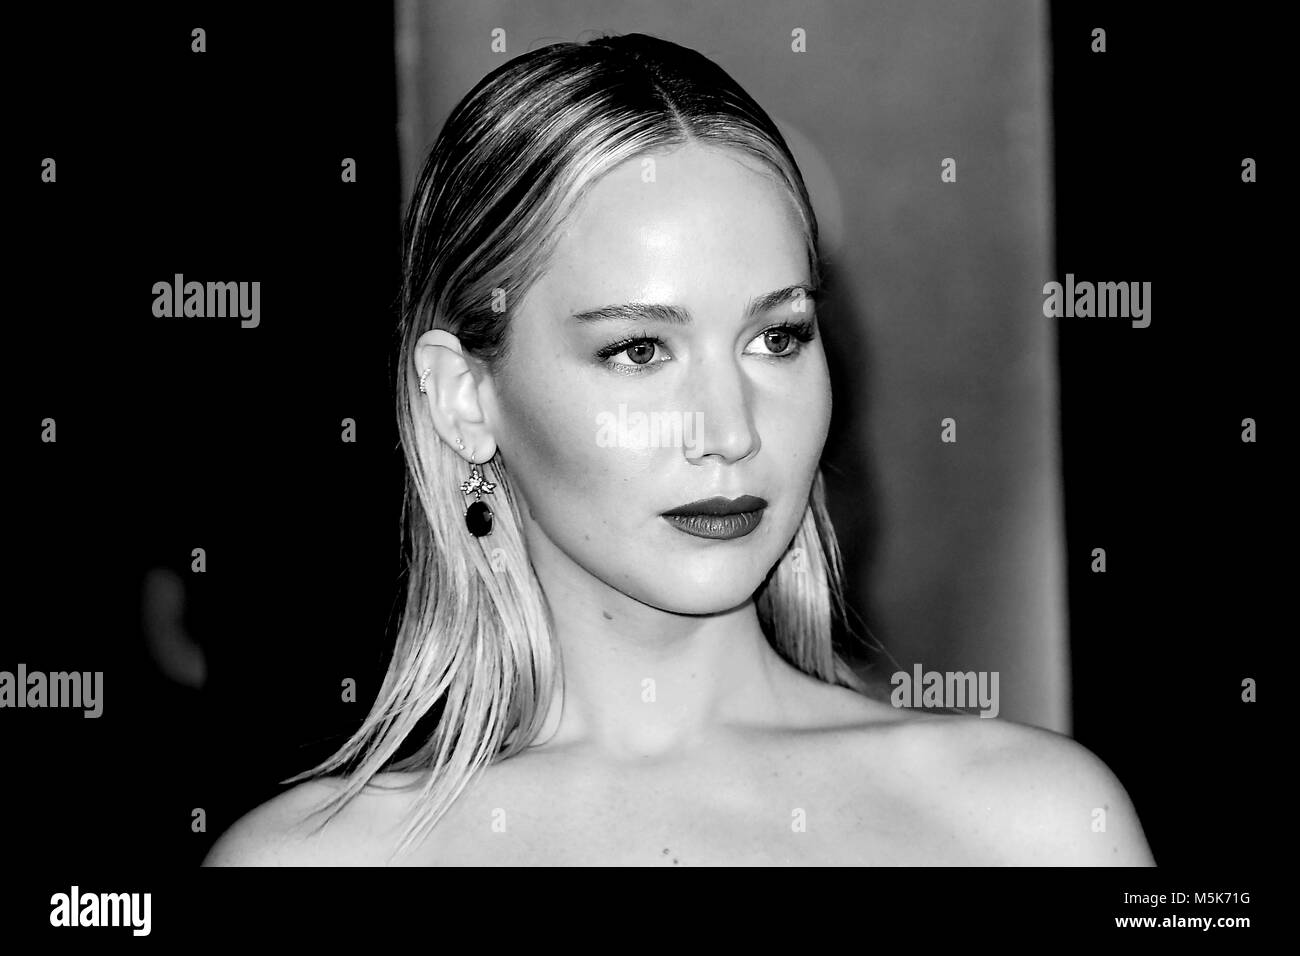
[{"x": 452, "y": 387}]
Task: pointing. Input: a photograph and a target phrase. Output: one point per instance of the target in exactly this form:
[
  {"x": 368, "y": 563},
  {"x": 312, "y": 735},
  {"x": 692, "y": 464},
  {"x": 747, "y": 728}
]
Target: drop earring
[{"x": 478, "y": 516}]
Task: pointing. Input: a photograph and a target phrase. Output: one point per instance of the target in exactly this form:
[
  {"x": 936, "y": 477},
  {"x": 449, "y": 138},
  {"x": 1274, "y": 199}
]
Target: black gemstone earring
[{"x": 478, "y": 516}]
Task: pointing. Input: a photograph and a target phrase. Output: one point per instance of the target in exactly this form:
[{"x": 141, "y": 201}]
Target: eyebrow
[{"x": 676, "y": 315}]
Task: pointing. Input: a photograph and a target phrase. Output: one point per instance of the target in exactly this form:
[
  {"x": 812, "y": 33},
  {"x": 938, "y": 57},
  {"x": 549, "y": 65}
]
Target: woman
[{"x": 613, "y": 399}]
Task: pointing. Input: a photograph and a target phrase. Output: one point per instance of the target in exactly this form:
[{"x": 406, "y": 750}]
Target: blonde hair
[{"x": 474, "y": 647}]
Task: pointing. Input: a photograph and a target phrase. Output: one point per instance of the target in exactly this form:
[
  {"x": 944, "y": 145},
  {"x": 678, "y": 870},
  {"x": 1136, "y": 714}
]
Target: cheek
[
  {"x": 820, "y": 393},
  {"x": 798, "y": 415},
  {"x": 554, "y": 457}
]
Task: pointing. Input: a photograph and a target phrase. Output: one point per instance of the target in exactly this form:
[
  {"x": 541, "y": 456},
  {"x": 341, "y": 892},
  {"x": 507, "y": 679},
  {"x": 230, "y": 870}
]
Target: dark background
[
  {"x": 1149, "y": 143},
  {"x": 175, "y": 434}
]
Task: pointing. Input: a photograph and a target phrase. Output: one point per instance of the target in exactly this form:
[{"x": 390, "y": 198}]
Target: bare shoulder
[
  {"x": 287, "y": 830},
  {"x": 1002, "y": 792},
  {"x": 1038, "y": 797}
]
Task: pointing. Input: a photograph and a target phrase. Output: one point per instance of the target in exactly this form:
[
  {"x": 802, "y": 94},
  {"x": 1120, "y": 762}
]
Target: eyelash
[{"x": 801, "y": 332}]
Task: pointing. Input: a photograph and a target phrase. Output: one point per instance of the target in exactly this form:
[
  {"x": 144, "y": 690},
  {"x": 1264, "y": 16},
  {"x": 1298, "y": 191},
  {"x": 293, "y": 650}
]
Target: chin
[
  {"x": 724, "y": 586},
  {"x": 701, "y": 604}
]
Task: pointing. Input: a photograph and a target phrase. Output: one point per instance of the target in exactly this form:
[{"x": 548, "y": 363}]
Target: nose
[{"x": 724, "y": 402}]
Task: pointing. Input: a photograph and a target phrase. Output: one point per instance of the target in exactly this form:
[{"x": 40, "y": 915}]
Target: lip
[
  {"x": 719, "y": 507},
  {"x": 725, "y": 526}
]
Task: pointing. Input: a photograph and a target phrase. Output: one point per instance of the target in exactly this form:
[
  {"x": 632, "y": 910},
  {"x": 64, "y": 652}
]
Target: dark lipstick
[{"x": 718, "y": 517}]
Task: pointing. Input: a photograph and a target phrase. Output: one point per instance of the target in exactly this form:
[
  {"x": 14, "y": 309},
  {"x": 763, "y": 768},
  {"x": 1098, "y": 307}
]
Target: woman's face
[{"x": 729, "y": 408}]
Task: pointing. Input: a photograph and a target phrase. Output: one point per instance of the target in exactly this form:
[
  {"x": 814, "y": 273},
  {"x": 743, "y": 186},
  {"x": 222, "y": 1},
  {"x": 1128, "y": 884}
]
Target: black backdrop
[
  {"x": 1149, "y": 142},
  {"x": 183, "y": 433}
]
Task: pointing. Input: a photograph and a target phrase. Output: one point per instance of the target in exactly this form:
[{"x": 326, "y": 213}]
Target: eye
[
  {"x": 786, "y": 340},
  {"x": 640, "y": 352}
]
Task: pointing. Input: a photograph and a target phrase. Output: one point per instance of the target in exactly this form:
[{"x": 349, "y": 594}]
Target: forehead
[{"x": 690, "y": 225}]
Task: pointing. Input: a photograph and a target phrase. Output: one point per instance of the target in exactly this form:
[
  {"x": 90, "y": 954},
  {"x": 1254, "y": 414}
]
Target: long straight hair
[{"x": 474, "y": 648}]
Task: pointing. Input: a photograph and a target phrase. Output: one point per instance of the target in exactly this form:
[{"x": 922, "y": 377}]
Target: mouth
[{"x": 718, "y": 517}]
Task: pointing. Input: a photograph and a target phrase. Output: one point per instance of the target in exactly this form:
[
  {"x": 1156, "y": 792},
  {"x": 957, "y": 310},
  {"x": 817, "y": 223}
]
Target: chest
[{"x": 711, "y": 818}]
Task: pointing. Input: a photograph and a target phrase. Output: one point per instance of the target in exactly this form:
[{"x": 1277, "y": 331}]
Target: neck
[{"x": 642, "y": 682}]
